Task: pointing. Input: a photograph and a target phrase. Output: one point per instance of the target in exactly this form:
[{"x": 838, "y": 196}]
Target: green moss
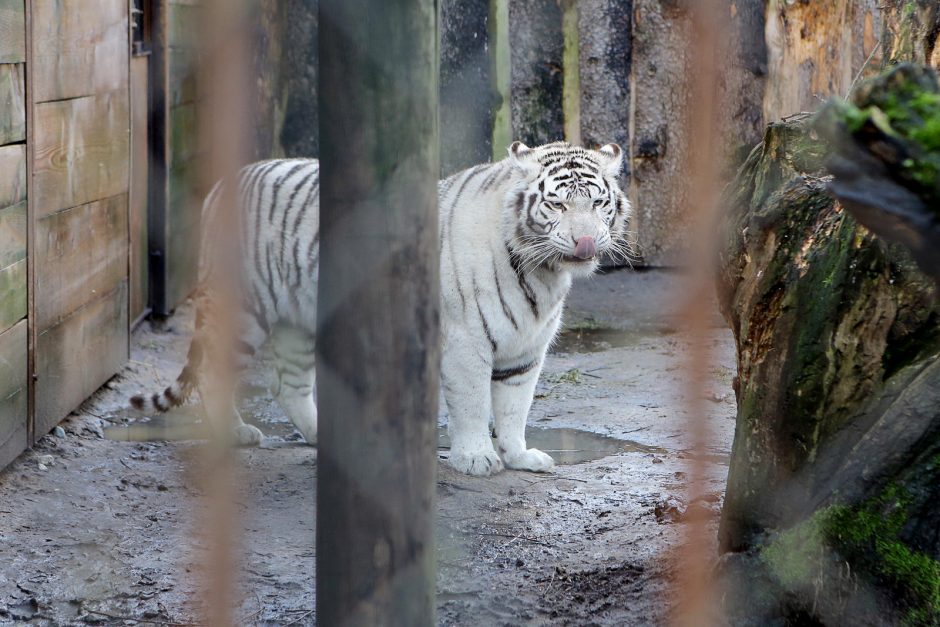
[
  {"x": 794, "y": 557},
  {"x": 868, "y": 536},
  {"x": 905, "y": 107}
]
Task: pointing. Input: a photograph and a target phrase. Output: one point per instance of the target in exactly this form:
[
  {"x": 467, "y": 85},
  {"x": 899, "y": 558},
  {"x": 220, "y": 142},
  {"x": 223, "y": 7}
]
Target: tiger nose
[{"x": 584, "y": 247}]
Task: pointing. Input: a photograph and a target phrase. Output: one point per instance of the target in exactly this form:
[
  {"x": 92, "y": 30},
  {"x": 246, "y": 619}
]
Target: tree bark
[
  {"x": 912, "y": 31},
  {"x": 378, "y": 312},
  {"x": 836, "y": 458}
]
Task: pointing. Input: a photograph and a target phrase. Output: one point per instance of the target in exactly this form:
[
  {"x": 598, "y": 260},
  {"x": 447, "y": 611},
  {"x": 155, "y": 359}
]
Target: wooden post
[
  {"x": 571, "y": 68},
  {"x": 378, "y": 314},
  {"x": 502, "y": 82}
]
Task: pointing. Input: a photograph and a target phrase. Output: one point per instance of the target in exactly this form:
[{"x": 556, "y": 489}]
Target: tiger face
[{"x": 568, "y": 207}]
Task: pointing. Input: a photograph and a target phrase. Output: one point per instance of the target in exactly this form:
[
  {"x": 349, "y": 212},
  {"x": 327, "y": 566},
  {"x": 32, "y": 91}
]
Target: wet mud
[{"x": 102, "y": 526}]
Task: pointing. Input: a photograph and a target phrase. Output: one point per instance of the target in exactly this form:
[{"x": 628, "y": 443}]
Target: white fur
[{"x": 476, "y": 271}]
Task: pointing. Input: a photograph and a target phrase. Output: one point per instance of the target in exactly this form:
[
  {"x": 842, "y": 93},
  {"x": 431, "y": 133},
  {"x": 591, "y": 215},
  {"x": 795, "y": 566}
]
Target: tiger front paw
[
  {"x": 479, "y": 464},
  {"x": 532, "y": 460},
  {"x": 248, "y": 435}
]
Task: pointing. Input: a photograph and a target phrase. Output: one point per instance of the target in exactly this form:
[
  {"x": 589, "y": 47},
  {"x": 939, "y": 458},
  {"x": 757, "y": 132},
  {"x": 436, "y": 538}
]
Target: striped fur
[
  {"x": 513, "y": 235},
  {"x": 279, "y": 249}
]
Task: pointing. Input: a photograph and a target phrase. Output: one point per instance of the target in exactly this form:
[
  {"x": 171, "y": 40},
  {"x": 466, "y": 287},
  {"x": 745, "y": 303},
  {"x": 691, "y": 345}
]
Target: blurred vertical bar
[
  {"x": 223, "y": 123},
  {"x": 697, "y": 599},
  {"x": 378, "y": 344}
]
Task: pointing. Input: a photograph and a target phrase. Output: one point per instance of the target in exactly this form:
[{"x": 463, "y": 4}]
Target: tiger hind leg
[
  {"x": 218, "y": 393},
  {"x": 296, "y": 380}
]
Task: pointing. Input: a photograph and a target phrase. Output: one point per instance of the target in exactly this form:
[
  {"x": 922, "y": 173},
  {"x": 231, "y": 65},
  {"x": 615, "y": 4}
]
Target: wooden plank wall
[
  {"x": 80, "y": 133},
  {"x": 184, "y": 196},
  {"x": 13, "y": 229}
]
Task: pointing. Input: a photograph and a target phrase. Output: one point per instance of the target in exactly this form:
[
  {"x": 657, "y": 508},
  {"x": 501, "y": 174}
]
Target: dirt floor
[{"x": 99, "y": 527}]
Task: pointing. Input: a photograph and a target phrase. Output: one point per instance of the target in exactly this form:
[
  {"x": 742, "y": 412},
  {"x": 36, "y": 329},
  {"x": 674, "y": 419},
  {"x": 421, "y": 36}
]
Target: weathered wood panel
[
  {"x": 12, "y": 234},
  {"x": 12, "y": 31},
  {"x": 816, "y": 49},
  {"x": 12, "y": 175},
  {"x": 12, "y": 204},
  {"x": 13, "y": 381},
  {"x": 12, "y": 103},
  {"x": 12, "y": 294},
  {"x": 80, "y": 47},
  {"x": 75, "y": 357},
  {"x": 661, "y": 65},
  {"x": 137, "y": 205},
  {"x": 81, "y": 253},
  {"x": 81, "y": 151}
]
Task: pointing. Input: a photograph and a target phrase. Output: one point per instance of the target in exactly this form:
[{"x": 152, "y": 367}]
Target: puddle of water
[
  {"x": 570, "y": 446},
  {"x": 185, "y": 424},
  {"x": 173, "y": 426},
  {"x": 566, "y": 446}
]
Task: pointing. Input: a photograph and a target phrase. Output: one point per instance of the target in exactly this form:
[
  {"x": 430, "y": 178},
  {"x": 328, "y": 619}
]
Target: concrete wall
[
  {"x": 629, "y": 61},
  {"x": 468, "y": 98},
  {"x": 606, "y": 56}
]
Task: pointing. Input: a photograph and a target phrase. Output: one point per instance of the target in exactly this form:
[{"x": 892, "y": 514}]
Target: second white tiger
[{"x": 513, "y": 235}]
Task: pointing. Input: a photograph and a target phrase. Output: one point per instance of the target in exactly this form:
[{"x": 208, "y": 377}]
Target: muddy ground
[{"x": 95, "y": 530}]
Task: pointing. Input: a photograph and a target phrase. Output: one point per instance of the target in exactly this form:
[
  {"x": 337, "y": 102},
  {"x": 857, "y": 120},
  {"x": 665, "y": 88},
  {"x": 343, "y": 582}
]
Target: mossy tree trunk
[{"x": 833, "y": 500}]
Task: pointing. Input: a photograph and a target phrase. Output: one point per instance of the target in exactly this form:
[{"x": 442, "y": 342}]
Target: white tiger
[{"x": 513, "y": 235}]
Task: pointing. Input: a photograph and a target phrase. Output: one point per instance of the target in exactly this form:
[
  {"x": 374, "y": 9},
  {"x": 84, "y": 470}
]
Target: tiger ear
[
  {"x": 612, "y": 159},
  {"x": 521, "y": 158}
]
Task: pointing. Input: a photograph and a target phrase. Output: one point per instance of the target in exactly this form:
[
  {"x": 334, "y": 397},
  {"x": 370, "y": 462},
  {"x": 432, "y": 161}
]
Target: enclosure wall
[
  {"x": 64, "y": 172},
  {"x": 79, "y": 198},
  {"x": 13, "y": 208}
]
